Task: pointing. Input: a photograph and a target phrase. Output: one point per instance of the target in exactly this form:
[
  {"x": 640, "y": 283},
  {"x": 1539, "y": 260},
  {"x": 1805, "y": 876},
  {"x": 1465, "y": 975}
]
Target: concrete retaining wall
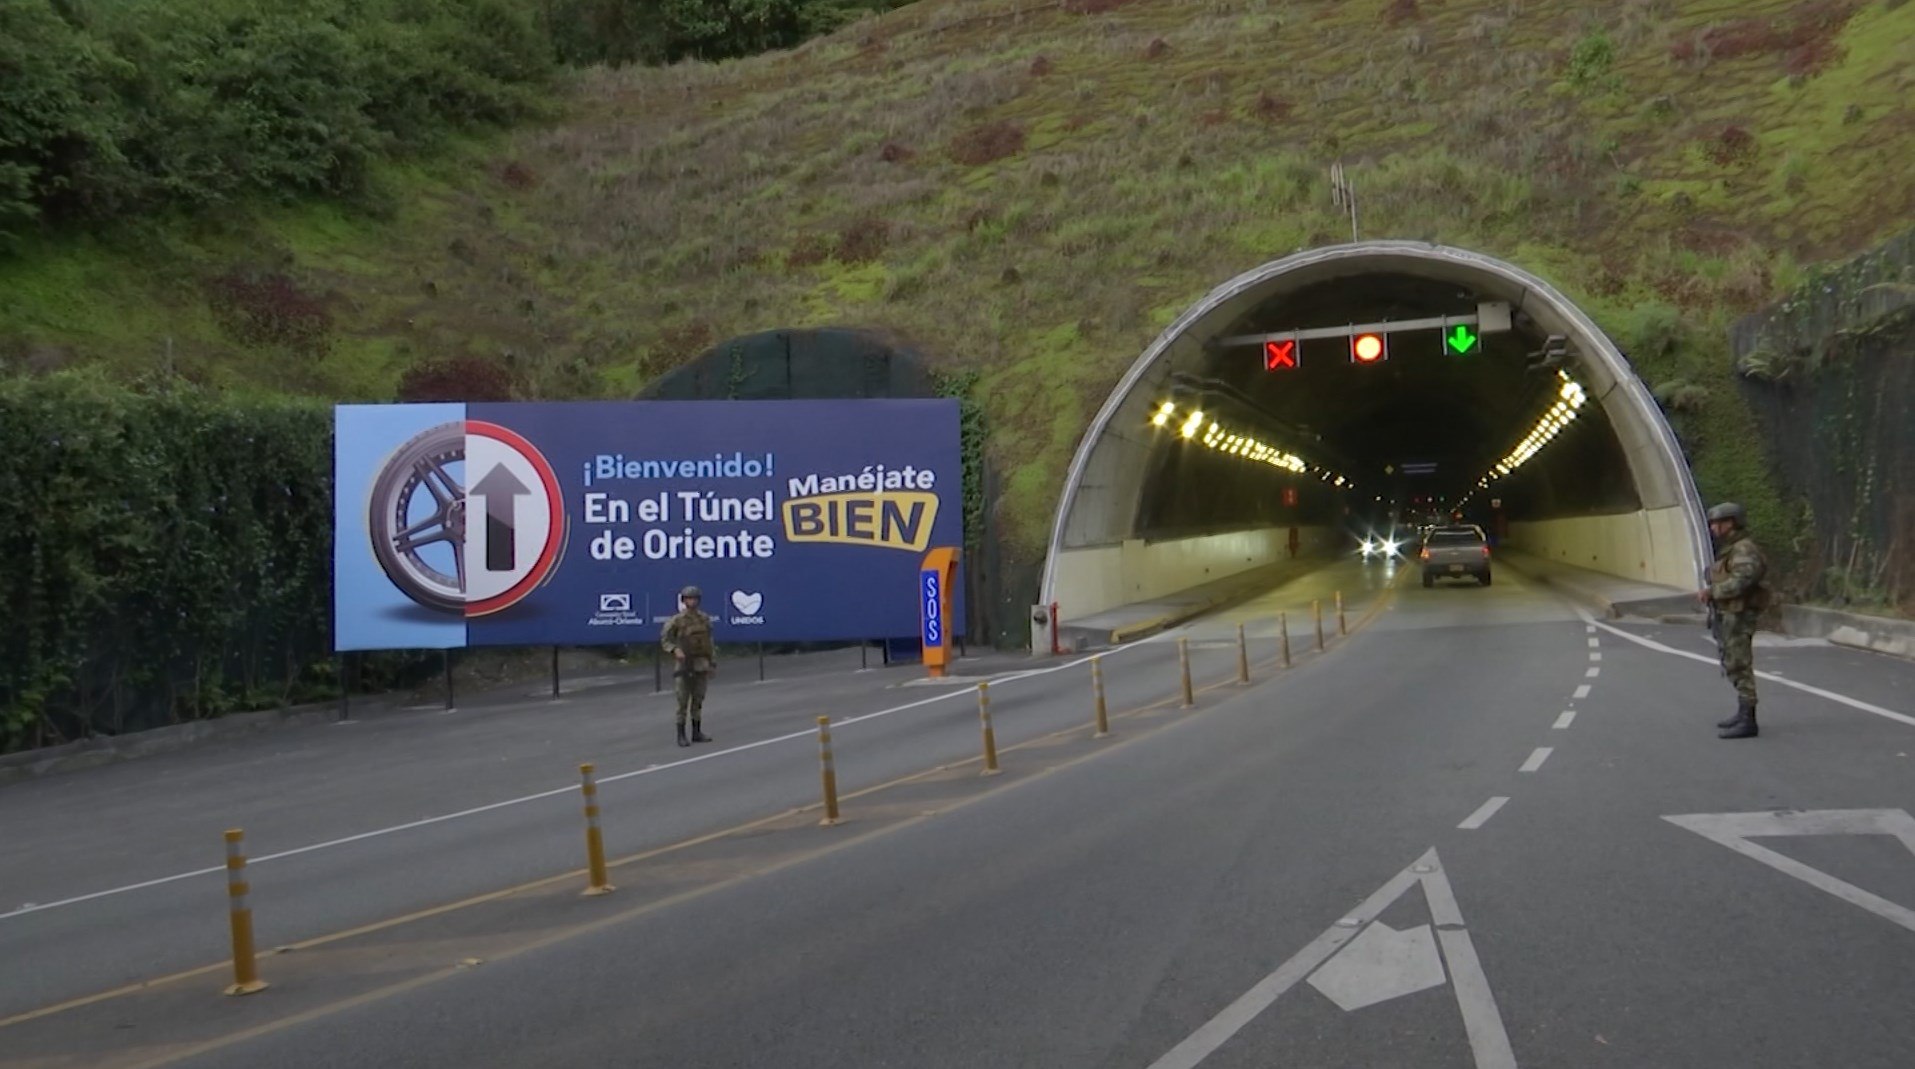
[
  {"x": 1096, "y": 578},
  {"x": 1649, "y": 546},
  {"x": 1880, "y": 634}
]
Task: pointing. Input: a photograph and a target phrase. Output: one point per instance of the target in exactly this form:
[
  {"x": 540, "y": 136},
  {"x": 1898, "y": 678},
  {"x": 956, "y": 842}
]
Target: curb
[
  {"x": 1101, "y": 638},
  {"x": 112, "y": 749},
  {"x": 1647, "y": 608},
  {"x": 1576, "y": 591},
  {"x": 1875, "y": 634}
]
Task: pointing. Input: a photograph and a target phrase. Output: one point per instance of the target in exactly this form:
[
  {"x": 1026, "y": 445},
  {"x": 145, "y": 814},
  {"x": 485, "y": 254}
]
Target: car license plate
[{"x": 1456, "y": 567}]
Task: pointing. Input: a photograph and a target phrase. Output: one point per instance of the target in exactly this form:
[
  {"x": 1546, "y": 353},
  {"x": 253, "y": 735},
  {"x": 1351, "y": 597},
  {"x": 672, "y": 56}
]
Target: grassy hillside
[{"x": 1033, "y": 188}]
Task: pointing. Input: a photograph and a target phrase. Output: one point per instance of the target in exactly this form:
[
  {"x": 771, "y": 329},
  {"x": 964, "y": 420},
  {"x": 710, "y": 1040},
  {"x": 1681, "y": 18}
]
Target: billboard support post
[
  {"x": 935, "y": 578},
  {"x": 445, "y": 657},
  {"x": 555, "y": 673}
]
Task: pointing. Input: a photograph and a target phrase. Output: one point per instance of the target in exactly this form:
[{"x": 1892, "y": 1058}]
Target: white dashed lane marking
[
  {"x": 1536, "y": 759},
  {"x": 1563, "y": 721},
  {"x": 1481, "y": 816},
  {"x": 1582, "y": 691},
  {"x": 1593, "y": 673}
]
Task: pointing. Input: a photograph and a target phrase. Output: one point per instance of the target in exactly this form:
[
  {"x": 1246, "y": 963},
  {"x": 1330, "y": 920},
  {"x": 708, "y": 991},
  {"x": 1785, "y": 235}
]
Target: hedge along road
[{"x": 351, "y": 824}]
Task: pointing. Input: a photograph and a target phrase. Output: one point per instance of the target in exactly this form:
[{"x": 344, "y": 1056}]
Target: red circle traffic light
[{"x": 1368, "y": 348}]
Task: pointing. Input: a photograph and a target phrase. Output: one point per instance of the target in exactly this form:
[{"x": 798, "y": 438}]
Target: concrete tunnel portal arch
[{"x": 1145, "y": 512}]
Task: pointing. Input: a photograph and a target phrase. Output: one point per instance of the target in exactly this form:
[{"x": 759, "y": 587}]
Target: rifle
[{"x": 1715, "y": 629}]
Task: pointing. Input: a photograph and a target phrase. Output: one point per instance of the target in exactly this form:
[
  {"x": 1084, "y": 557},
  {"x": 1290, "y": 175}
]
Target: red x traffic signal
[{"x": 1279, "y": 354}]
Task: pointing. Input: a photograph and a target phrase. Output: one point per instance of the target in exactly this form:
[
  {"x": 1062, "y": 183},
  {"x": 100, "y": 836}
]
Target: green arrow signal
[{"x": 1462, "y": 339}]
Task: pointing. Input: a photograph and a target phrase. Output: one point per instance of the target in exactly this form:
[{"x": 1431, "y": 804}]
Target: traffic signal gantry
[{"x": 1369, "y": 343}]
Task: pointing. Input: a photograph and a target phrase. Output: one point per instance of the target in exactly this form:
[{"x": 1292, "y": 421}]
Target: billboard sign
[{"x": 577, "y": 523}]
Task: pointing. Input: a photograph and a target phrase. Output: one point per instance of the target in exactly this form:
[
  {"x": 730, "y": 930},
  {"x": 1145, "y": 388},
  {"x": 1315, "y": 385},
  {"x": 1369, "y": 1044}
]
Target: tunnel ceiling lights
[
  {"x": 1205, "y": 430},
  {"x": 1570, "y": 398}
]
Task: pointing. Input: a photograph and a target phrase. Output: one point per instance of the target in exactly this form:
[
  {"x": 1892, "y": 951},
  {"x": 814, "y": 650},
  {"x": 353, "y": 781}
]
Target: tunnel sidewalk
[
  {"x": 1611, "y": 595},
  {"x": 1125, "y": 623}
]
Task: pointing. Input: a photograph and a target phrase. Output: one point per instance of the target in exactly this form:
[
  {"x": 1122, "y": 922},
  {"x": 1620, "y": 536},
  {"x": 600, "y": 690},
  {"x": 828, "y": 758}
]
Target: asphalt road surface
[{"x": 1483, "y": 830}]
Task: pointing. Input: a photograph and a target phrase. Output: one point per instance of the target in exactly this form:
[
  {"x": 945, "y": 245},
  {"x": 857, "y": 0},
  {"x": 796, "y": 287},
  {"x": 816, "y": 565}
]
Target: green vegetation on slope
[
  {"x": 114, "y": 112},
  {"x": 1033, "y": 189}
]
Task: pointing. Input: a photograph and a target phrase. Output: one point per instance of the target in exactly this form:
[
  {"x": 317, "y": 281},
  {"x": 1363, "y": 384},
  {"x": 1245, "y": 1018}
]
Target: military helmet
[
  {"x": 690, "y": 592},
  {"x": 1730, "y": 511}
]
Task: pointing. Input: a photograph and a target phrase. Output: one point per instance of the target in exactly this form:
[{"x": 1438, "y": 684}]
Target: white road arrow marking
[
  {"x": 1734, "y": 830},
  {"x": 1388, "y": 961},
  {"x": 1379, "y": 965}
]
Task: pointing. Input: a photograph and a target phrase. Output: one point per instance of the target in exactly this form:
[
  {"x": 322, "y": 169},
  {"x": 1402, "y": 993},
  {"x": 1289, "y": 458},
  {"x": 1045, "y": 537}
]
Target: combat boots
[
  {"x": 1743, "y": 726},
  {"x": 682, "y": 740},
  {"x": 1741, "y": 710},
  {"x": 698, "y": 732}
]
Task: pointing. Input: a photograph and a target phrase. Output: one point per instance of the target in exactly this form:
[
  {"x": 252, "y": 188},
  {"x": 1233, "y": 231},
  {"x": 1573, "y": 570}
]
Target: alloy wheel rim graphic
[
  {"x": 422, "y": 516},
  {"x": 402, "y": 538}
]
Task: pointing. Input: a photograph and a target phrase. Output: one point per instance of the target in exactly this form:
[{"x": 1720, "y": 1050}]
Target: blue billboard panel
[{"x": 578, "y": 523}]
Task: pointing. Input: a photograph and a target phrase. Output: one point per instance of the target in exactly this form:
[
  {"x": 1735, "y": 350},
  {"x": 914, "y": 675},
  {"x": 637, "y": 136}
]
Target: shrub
[
  {"x": 168, "y": 559},
  {"x": 193, "y": 103}
]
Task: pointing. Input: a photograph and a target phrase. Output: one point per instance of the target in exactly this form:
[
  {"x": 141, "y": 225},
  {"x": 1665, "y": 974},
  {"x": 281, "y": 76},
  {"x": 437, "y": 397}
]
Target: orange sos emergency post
[{"x": 935, "y": 578}]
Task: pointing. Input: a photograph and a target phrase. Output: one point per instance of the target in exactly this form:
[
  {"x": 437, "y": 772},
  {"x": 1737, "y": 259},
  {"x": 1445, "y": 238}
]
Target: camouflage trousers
[
  {"x": 1735, "y": 641},
  {"x": 691, "y": 694}
]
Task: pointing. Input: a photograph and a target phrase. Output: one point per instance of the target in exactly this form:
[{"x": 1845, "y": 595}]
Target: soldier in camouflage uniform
[
  {"x": 687, "y": 637},
  {"x": 1737, "y": 593}
]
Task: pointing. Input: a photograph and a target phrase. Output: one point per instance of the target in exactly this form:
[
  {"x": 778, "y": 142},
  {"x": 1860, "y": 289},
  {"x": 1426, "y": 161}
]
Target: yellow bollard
[
  {"x": 1342, "y": 628},
  {"x": 1283, "y": 629},
  {"x": 1243, "y": 659},
  {"x": 245, "y": 964},
  {"x": 1183, "y": 668},
  {"x": 1316, "y": 611},
  {"x": 830, "y": 771},
  {"x": 1097, "y": 695},
  {"x": 594, "y": 840},
  {"x": 990, "y": 736}
]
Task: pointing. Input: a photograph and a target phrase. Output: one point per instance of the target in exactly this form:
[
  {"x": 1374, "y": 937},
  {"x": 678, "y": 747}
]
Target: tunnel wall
[
  {"x": 1646, "y": 545},
  {"x": 1124, "y": 573},
  {"x": 1667, "y": 545}
]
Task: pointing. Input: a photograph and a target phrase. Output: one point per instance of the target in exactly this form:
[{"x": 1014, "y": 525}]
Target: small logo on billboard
[
  {"x": 615, "y": 610},
  {"x": 747, "y": 605}
]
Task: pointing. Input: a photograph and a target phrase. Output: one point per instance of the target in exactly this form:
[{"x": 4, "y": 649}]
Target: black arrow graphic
[{"x": 501, "y": 490}]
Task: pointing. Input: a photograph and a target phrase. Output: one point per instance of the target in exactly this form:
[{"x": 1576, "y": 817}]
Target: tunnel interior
[
  {"x": 1414, "y": 433},
  {"x": 1352, "y": 390}
]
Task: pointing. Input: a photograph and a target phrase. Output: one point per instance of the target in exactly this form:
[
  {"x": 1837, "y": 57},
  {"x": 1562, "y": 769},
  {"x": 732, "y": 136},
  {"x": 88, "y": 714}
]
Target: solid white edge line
[
  {"x": 75, "y": 900},
  {"x": 1563, "y": 721},
  {"x": 1483, "y": 813},
  {"x": 1840, "y": 699},
  {"x": 1536, "y": 758}
]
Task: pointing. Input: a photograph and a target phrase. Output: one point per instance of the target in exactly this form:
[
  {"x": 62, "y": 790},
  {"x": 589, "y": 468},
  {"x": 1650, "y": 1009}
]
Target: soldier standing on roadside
[
  {"x": 687, "y": 637},
  {"x": 1737, "y": 593}
]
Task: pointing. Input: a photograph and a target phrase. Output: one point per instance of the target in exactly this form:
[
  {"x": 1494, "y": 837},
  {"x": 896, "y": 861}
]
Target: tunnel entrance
[{"x": 1354, "y": 388}]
